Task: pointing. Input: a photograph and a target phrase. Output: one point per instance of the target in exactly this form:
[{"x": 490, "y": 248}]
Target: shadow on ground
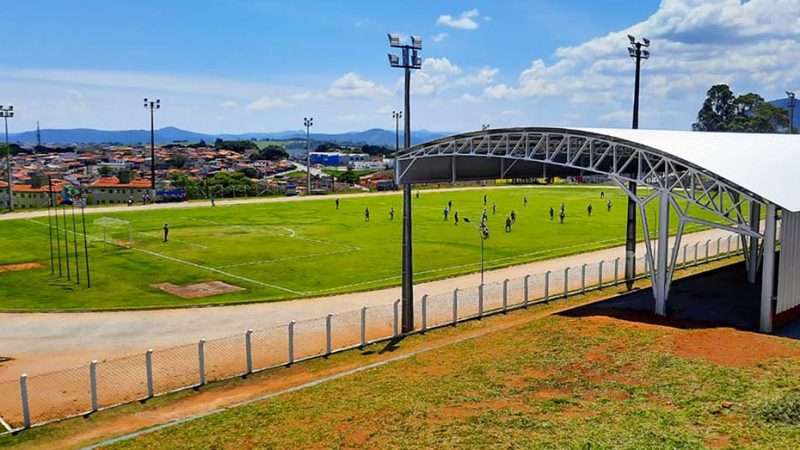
[{"x": 718, "y": 298}]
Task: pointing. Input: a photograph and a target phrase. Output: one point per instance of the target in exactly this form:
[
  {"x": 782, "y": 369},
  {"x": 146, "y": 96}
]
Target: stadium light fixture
[
  {"x": 152, "y": 105},
  {"x": 409, "y": 60},
  {"x": 484, "y": 127},
  {"x": 397, "y": 115},
  {"x": 7, "y": 113}
]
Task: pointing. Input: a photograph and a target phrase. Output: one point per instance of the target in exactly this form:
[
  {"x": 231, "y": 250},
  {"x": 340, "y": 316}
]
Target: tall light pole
[
  {"x": 397, "y": 115},
  {"x": 484, "y": 235},
  {"x": 152, "y": 105},
  {"x": 408, "y": 60},
  {"x": 5, "y": 113},
  {"x": 308, "y": 122},
  {"x": 634, "y": 51},
  {"x": 790, "y": 95}
]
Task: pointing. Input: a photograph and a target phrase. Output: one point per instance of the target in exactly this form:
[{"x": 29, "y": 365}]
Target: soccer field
[{"x": 285, "y": 250}]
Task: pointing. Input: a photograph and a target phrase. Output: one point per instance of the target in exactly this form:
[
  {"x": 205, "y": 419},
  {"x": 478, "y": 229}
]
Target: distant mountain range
[{"x": 375, "y": 136}]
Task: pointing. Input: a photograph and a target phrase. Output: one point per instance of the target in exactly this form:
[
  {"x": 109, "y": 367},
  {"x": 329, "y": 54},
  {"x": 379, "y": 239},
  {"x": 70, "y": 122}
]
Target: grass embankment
[{"x": 285, "y": 250}]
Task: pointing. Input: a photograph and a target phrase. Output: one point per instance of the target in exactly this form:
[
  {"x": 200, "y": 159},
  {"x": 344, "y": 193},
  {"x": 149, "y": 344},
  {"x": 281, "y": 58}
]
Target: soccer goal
[{"x": 116, "y": 231}]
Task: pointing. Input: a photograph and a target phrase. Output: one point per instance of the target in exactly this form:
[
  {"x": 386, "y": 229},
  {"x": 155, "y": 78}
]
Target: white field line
[
  {"x": 269, "y": 261},
  {"x": 199, "y": 266},
  {"x": 211, "y": 269},
  {"x": 157, "y": 236}
]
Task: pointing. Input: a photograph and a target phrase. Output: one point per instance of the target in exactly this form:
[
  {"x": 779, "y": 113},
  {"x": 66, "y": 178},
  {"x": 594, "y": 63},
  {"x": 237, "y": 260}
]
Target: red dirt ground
[{"x": 20, "y": 267}]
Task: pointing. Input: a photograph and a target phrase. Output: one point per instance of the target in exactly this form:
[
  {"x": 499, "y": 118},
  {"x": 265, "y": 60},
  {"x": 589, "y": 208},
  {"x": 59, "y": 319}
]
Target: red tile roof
[{"x": 114, "y": 182}]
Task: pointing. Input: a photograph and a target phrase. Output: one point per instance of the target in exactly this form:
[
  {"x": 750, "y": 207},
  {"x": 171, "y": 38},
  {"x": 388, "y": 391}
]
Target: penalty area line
[{"x": 211, "y": 269}]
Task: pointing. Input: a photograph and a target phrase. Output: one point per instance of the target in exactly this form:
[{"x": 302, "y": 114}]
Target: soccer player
[
  {"x": 166, "y": 231},
  {"x": 337, "y": 203},
  {"x": 484, "y": 216},
  {"x": 484, "y": 199},
  {"x": 508, "y": 224},
  {"x": 525, "y": 201},
  {"x": 213, "y": 200},
  {"x": 563, "y": 207},
  {"x": 449, "y": 204},
  {"x": 552, "y": 213},
  {"x": 561, "y": 216},
  {"x": 513, "y": 216},
  {"x": 366, "y": 214},
  {"x": 391, "y": 213},
  {"x": 494, "y": 208},
  {"x": 455, "y": 217},
  {"x": 417, "y": 195},
  {"x": 608, "y": 205},
  {"x": 445, "y": 212},
  {"x": 130, "y": 200},
  {"x": 589, "y": 209},
  {"x": 602, "y": 195}
]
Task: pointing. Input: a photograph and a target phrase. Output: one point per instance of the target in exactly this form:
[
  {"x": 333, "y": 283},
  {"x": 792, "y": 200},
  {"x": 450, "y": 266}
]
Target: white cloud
[
  {"x": 352, "y": 85},
  {"x": 229, "y": 104},
  {"x": 469, "y": 98},
  {"x": 439, "y": 37},
  {"x": 268, "y": 103},
  {"x": 483, "y": 76},
  {"x": 466, "y": 21}
]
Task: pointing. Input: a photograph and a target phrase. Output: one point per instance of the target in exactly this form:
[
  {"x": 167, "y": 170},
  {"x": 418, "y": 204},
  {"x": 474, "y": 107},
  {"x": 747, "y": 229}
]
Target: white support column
[
  {"x": 662, "y": 272},
  {"x": 752, "y": 254},
  {"x": 768, "y": 273}
]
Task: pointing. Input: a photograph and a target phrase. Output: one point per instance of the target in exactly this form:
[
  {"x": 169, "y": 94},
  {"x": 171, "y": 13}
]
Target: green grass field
[{"x": 287, "y": 250}]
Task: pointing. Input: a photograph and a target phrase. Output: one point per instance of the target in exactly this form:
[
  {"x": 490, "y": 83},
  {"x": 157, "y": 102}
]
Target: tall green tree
[{"x": 747, "y": 113}]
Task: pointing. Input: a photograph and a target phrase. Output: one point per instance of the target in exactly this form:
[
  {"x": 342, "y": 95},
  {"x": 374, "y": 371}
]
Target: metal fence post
[
  {"x": 566, "y": 281},
  {"x": 696, "y": 252},
  {"x": 480, "y": 300},
  {"x": 93, "y": 384},
  {"x": 248, "y": 350},
  {"x": 505, "y": 295},
  {"x": 424, "y": 312},
  {"x": 363, "y": 326},
  {"x": 728, "y": 252},
  {"x": 396, "y": 317},
  {"x": 23, "y": 390},
  {"x": 148, "y": 364},
  {"x": 547, "y": 286},
  {"x": 290, "y": 359},
  {"x": 455, "y": 306},
  {"x": 328, "y": 334},
  {"x": 616, "y": 271},
  {"x": 685, "y": 246},
  {"x": 707, "y": 244},
  {"x": 719, "y": 247},
  {"x": 583, "y": 279},
  {"x": 600, "y": 275},
  {"x": 525, "y": 290},
  {"x": 201, "y": 362}
]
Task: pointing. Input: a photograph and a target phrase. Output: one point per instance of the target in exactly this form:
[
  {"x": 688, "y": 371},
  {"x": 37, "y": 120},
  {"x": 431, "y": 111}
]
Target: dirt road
[{"x": 43, "y": 342}]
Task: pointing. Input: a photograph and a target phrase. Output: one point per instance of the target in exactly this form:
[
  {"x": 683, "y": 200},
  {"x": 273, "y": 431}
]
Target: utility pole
[
  {"x": 410, "y": 60},
  {"x": 5, "y": 113},
  {"x": 790, "y": 95},
  {"x": 308, "y": 122},
  {"x": 152, "y": 105},
  {"x": 635, "y": 51},
  {"x": 38, "y": 135}
]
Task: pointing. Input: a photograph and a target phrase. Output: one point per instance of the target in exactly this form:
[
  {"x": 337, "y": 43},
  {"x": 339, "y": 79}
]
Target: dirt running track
[{"x": 44, "y": 342}]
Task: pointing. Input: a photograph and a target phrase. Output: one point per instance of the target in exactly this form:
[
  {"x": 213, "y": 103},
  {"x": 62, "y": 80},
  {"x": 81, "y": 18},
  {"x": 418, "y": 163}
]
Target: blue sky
[{"x": 238, "y": 66}]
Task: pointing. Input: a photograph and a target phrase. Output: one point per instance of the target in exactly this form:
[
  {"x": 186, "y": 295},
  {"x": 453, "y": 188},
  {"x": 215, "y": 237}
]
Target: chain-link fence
[{"x": 82, "y": 390}]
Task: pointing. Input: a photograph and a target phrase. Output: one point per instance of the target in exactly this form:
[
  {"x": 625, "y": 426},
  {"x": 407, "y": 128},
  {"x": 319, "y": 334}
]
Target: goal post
[{"x": 116, "y": 231}]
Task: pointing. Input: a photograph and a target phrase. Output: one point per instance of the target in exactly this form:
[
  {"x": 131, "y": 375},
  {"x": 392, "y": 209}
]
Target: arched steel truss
[{"x": 680, "y": 185}]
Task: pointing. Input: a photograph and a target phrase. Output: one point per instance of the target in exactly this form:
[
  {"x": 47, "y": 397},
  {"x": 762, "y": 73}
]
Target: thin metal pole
[
  {"x": 50, "y": 222},
  {"x": 93, "y": 384},
  {"x": 408, "y": 256},
  {"x": 8, "y": 167},
  {"x": 308, "y": 157},
  {"x": 455, "y": 306},
  {"x": 75, "y": 246},
  {"x": 66, "y": 239},
  {"x": 86, "y": 248},
  {"x": 152, "y": 149},
  {"x": 201, "y": 362},
  {"x": 482, "y": 239},
  {"x": 148, "y": 364},
  {"x": 328, "y": 334},
  {"x": 26, "y": 411}
]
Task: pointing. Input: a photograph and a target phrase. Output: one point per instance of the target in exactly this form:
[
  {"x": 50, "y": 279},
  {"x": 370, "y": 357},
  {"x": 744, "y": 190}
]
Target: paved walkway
[{"x": 44, "y": 342}]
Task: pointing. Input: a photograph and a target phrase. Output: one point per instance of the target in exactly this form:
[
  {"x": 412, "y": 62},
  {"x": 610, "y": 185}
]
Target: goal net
[{"x": 116, "y": 231}]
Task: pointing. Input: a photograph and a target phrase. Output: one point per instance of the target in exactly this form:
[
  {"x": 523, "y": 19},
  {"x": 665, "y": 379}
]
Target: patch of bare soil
[
  {"x": 727, "y": 346},
  {"x": 19, "y": 267},
  {"x": 198, "y": 290}
]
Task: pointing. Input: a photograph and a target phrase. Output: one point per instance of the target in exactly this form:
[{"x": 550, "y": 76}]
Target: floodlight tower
[
  {"x": 308, "y": 122},
  {"x": 408, "y": 60},
  {"x": 634, "y": 51},
  {"x": 6, "y": 113},
  {"x": 790, "y": 95},
  {"x": 397, "y": 115},
  {"x": 152, "y": 105}
]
